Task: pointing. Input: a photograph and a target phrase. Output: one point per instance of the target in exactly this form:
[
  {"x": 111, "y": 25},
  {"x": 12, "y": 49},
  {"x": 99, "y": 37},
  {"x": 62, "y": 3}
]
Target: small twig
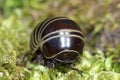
[
  {"x": 79, "y": 71},
  {"x": 20, "y": 77}
]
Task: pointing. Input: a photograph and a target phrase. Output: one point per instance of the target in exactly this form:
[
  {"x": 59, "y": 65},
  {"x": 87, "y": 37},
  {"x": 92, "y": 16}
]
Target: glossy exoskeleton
[{"x": 57, "y": 40}]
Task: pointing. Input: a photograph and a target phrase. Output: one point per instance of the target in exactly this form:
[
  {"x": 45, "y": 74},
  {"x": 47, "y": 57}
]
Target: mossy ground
[{"x": 16, "y": 24}]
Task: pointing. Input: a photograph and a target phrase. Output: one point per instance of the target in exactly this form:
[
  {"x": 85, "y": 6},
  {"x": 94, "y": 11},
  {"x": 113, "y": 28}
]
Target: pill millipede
[{"x": 57, "y": 40}]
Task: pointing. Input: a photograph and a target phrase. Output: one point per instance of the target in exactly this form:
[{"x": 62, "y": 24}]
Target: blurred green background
[{"x": 99, "y": 20}]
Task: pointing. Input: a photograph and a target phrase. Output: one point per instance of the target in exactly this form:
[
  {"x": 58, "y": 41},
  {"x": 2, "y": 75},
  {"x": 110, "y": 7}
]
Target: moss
[{"x": 14, "y": 42}]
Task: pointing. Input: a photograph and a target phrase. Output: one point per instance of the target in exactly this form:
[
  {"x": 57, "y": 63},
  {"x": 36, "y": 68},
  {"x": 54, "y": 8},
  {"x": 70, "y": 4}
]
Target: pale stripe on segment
[
  {"x": 43, "y": 42},
  {"x": 51, "y": 22},
  {"x": 43, "y": 26},
  {"x": 60, "y": 53},
  {"x": 63, "y": 30},
  {"x": 34, "y": 41},
  {"x": 35, "y": 38}
]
